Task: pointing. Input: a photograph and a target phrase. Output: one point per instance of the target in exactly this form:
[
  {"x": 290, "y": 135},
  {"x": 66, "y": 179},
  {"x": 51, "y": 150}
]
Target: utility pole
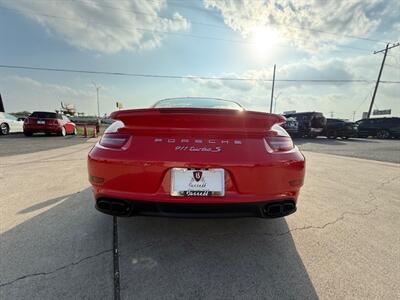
[
  {"x": 97, "y": 94},
  {"x": 379, "y": 75},
  {"x": 272, "y": 91}
]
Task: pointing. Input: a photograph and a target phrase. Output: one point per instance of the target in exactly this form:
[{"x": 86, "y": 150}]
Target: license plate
[
  {"x": 194, "y": 182},
  {"x": 41, "y": 122}
]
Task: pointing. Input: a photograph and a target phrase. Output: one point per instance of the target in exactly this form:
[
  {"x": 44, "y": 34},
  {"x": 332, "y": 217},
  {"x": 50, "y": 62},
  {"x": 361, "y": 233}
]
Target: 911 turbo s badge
[
  {"x": 198, "y": 149},
  {"x": 197, "y": 175}
]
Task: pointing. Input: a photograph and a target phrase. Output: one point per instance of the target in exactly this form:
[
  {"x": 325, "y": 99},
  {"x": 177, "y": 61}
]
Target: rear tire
[
  {"x": 4, "y": 129},
  {"x": 28, "y": 133},
  {"x": 332, "y": 134},
  {"x": 383, "y": 134},
  {"x": 63, "y": 132}
]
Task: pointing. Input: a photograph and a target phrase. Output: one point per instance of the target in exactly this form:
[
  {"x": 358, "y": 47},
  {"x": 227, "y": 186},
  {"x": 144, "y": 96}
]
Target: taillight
[
  {"x": 114, "y": 141},
  {"x": 280, "y": 143},
  {"x": 278, "y": 140}
]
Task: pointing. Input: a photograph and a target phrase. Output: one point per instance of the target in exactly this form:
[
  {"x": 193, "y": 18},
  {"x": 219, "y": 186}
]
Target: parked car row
[
  {"x": 313, "y": 124},
  {"x": 306, "y": 124},
  {"x": 37, "y": 122}
]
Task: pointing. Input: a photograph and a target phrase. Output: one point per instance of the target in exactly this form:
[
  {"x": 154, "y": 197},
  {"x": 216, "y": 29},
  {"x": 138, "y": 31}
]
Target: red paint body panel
[{"x": 161, "y": 139}]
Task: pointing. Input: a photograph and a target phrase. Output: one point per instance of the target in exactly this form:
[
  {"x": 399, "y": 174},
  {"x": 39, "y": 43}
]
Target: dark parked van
[
  {"x": 382, "y": 128},
  {"x": 340, "y": 128},
  {"x": 310, "y": 124}
]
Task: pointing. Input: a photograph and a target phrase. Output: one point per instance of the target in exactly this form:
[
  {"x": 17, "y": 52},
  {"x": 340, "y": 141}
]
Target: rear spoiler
[{"x": 197, "y": 120}]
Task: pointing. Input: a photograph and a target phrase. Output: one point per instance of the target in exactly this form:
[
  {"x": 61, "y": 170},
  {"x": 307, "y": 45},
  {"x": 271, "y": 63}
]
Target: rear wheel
[
  {"x": 332, "y": 134},
  {"x": 383, "y": 134},
  {"x": 63, "y": 132},
  {"x": 4, "y": 129},
  {"x": 27, "y": 133}
]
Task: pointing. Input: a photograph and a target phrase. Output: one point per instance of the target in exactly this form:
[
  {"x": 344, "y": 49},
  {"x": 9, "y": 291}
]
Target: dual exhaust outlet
[{"x": 124, "y": 208}]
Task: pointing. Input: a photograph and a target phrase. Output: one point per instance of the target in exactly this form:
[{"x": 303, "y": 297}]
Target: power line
[{"x": 190, "y": 77}]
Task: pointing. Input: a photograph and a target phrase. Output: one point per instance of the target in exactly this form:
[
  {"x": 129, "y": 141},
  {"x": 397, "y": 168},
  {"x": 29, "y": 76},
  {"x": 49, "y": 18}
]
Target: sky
[{"x": 203, "y": 41}]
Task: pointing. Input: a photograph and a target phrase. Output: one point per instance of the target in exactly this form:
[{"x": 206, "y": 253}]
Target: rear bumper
[
  {"x": 42, "y": 129},
  {"x": 126, "y": 208}
]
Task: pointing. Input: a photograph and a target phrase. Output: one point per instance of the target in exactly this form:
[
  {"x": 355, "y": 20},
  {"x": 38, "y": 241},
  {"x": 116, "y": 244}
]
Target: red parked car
[
  {"x": 48, "y": 122},
  {"x": 196, "y": 157}
]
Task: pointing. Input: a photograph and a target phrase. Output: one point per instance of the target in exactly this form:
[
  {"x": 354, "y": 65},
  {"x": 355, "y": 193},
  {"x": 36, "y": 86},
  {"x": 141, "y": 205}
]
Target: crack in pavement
[
  {"x": 56, "y": 270},
  {"x": 342, "y": 216}
]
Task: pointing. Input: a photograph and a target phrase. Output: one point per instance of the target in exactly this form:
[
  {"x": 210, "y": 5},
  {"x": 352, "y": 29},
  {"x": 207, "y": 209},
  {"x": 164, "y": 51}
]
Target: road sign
[{"x": 378, "y": 112}]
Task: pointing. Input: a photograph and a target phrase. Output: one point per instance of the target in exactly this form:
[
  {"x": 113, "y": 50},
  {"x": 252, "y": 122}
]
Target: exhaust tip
[
  {"x": 279, "y": 209},
  {"x": 113, "y": 207}
]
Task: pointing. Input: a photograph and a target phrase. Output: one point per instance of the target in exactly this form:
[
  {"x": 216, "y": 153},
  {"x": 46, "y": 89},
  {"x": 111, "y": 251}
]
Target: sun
[{"x": 263, "y": 39}]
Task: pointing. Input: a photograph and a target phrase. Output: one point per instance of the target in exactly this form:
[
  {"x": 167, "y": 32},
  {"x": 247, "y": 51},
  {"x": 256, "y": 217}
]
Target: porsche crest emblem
[{"x": 197, "y": 175}]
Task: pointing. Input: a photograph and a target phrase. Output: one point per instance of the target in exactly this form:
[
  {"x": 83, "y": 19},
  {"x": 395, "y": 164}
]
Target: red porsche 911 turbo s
[{"x": 196, "y": 157}]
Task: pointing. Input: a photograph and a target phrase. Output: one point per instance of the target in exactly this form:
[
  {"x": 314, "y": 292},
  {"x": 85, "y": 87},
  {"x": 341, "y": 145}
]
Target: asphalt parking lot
[
  {"x": 374, "y": 149},
  {"x": 343, "y": 242}
]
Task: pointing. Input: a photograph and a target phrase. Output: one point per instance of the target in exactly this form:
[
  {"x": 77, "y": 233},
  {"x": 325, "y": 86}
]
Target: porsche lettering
[{"x": 198, "y": 141}]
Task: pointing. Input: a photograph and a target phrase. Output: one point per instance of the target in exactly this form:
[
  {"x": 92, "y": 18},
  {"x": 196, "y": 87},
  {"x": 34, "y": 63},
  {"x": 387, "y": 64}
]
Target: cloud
[
  {"x": 132, "y": 25},
  {"x": 340, "y": 98},
  {"x": 292, "y": 18},
  {"x": 240, "y": 85}
]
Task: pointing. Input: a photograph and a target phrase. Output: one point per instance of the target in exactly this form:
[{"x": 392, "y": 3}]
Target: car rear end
[
  {"x": 317, "y": 124},
  {"x": 196, "y": 162},
  {"x": 291, "y": 126},
  {"x": 43, "y": 122}
]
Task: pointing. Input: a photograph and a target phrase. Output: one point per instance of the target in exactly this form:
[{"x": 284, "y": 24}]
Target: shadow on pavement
[
  {"x": 64, "y": 252},
  {"x": 17, "y": 143},
  {"x": 43, "y": 204},
  {"x": 210, "y": 259}
]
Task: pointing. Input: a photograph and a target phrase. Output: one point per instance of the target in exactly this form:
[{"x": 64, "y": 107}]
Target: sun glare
[{"x": 263, "y": 39}]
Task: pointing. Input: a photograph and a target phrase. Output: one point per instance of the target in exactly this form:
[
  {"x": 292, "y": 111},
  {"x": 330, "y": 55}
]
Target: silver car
[{"x": 10, "y": 124}]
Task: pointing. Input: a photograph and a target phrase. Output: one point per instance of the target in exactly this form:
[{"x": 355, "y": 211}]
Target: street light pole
[
  {"x": 97, "y": 96},
  {"x": 272, "y": 91},
  {"x": 276, "y": 98}
]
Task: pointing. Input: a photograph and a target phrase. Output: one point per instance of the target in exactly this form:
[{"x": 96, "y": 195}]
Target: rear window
[
  {"x": 45, "y": 115},
  {"x": 197, "y": 103}
]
